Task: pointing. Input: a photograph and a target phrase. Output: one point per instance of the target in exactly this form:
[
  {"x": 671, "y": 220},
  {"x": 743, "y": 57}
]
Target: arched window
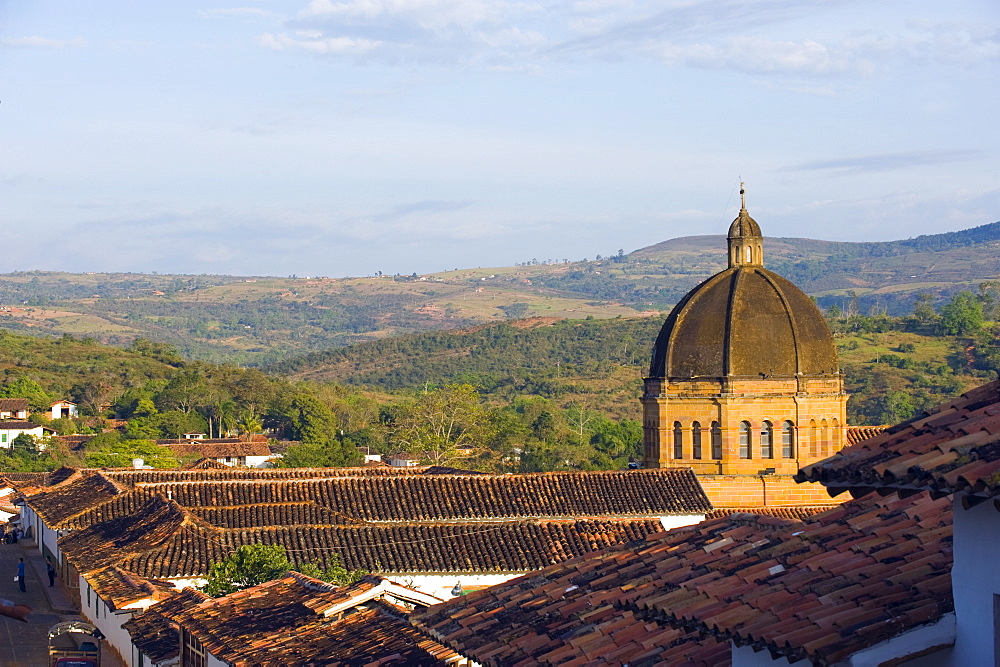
[
  {"x": 788, "y": 440},
  {"x": 749, "y": 255},
  {"x": 716, "y": 441},
  {"x": 835, "y": 442},
  {"x": 825, "y": 440},
  {"x": 766, "y": 437},
  {"x": 813, "y": 438},
  {"x": 745, "y": 443},
  {"x": 696, "y": 440},
  {"x": 678, "y": 441}
]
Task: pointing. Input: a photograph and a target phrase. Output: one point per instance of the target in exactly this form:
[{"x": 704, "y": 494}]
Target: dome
[
  {"x": 745, "y": 321},
  {"x": 744, "y": 225}
]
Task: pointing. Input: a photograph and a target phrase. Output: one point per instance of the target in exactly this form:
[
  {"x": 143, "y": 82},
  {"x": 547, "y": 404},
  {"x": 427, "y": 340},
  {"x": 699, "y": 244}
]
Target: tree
[
  {"x": 334, "y": 573},
  {"x": 120, "y": 455},
  {"x": 249, "y": 565},
  {"x": 441, "y": 420},
  {"x": 24, "y": 387},
  {"x": 962, "y": 315}
]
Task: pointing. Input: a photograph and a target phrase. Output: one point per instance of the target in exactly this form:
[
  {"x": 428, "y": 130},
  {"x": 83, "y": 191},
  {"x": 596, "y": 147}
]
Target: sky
[{"x": 342, "y": 138}]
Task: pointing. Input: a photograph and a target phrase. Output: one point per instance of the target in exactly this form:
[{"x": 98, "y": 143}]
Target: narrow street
[{"x": 26, "y": 644}]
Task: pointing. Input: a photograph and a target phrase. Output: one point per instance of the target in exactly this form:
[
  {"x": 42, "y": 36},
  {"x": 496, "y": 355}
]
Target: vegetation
[{"x": 254, "y": 564}]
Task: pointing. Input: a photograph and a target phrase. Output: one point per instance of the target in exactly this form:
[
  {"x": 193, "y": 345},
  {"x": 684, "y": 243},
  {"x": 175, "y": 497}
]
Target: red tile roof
[
  {"x": 856, "y": 434},
  {"x": 820, "y": 589},
  {"x": 388, "y": 498},
  {"x": 120, "y": 588},
  {"x": 164, "y": 541},
  {"x": 291, "y": 621},
  {"x": 795, "y": 513},
  {"x": 952, "y": 448},
  {"x": 153, "y": 633},
  {"x": 13, "y": 404}
]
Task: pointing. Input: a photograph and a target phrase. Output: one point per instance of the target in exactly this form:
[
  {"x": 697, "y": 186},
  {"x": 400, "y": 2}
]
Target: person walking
[
  {"x": 20, "y": 575},
  {"x": 51, "y": 571}
]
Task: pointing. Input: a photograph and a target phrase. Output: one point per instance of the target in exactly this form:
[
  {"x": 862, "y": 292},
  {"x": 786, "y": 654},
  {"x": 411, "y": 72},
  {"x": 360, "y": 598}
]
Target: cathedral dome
[{"x": 744, "y": 322}]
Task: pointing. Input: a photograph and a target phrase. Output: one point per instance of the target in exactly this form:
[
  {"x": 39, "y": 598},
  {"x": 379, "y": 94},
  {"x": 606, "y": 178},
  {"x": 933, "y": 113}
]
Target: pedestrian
[
  {"x": 20, "y": 575},
  {"x": 51, "y": 571}
]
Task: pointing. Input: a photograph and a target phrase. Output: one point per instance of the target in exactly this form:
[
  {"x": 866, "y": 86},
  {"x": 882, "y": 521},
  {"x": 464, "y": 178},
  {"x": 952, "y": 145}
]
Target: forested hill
[{"x": 529, "y": 356}]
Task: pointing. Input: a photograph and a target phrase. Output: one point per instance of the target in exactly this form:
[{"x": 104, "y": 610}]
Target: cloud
[
  {"x": 889, "y": 161},
  {"x": 35, "y": 42},
  {"x": 755, "y": 55},
  {"x": 313, "y": 42}
]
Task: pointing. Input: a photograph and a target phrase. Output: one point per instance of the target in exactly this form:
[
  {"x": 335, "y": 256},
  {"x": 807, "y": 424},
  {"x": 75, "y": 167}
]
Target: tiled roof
[
  {"x": 61, "y": 503},
  {"x": 795, "y": 513},
  {"x": 952, "y": 448},
  {"x": 13, "y": 404},
  {"x": 100, "y": 496},
  {"x": 206, "y": 464},
  {"x": 273, "y": 514},
  {"x": 16, "y": 425},
  {"x": 617, "y": 493},
  {"x": 131, "y": 477},
  {"x": 162, "y": 541},
  {"x": 446, "y": 470},
  {"x": 156, "y": 635},
  {"x": 820, "y": 589},
  {"x": 285, "y": 622},
  {"x": 120, "y": 588},
  {"x": 217, "y": 450},
  {"x": 856, "y": 434}
]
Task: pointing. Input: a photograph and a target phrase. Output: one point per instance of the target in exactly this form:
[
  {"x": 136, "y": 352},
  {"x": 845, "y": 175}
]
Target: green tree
[
  {"x": 441, "y": 420},
  {"x": 334, "y": 572},
  {"x": 962, "y": 315},
  {"x": 120, "y": 455},
  {"x": 249, "y": 565},
  {"x": 24, "y": 387}
]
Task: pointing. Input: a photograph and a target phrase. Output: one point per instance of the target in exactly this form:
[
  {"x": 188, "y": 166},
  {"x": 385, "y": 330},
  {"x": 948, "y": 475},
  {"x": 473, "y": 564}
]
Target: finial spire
[{"x": 743, "y": 196}]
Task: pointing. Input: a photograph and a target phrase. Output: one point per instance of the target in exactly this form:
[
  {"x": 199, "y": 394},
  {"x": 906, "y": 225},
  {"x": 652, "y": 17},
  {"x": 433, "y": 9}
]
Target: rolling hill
[{"x": 261, "y": 320}]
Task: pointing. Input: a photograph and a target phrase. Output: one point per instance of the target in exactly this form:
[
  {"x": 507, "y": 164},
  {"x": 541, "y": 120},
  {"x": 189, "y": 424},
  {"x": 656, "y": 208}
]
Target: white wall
[
  {"x": 678, "y": 520},
  {"x": 440, "y": 585},
  {"x": 975, "y": 580},
  {"x": 109, "y": 622}
]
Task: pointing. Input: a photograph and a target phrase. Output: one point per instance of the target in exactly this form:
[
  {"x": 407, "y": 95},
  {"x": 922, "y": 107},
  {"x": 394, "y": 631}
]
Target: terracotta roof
[
  {"x": 272, "y": 514},
  {"x": 103, "y": 495},
  {"x": 952, "y": 448},
  {"x": 446, "y": 470},
  {"x": 163, "y": 541},
  {"x": 206, "y": 464},
  {"x": 16, "y": 425},
  {"x": 61, "y": 503},
  {"x": 153, "y": 633},
  {"x": 120, "y": 588},
  {"x": 616, "y": 493},
  {"x": 290, "y": 621},
  {"x": 13, "y": 404},
  {"x": 131, "y": 477},
  {"x": 795, "y": 513},
  {"x": 821, "y": 589},
  {"x": 217, "y": 450},
  {"x": 856, "y": 434}
]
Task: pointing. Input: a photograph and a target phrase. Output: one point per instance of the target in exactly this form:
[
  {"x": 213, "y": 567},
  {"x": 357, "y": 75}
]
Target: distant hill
[{"x": 261, "y": 320}]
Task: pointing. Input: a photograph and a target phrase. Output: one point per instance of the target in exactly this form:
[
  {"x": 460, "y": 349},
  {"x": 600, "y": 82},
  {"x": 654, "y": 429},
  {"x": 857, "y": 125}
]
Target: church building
[{"x": 744, "y": 378}]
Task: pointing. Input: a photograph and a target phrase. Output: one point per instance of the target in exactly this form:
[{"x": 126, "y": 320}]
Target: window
[
  {"x": 745, "y": 440},
  {"x": 788, "y": 440},
  {"x": 3, "y": 437},
  {"x": 696, "y": 440},
  {"x": 825, "y": 442},
  {"x": 813, "y": 438},
  {"x": 716, "y": 441},
  {"x": 678, "y": 441},
  {"x": 192, "y": 651},
  {"x": 766, "y": 435}
]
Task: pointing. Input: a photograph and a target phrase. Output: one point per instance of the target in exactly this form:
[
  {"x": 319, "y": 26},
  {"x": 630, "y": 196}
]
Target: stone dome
[{"x": 744, "y": 322}]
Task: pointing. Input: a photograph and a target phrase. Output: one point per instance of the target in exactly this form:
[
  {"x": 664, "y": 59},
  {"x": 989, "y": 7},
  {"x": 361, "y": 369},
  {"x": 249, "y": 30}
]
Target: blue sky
[{"x": 337, "y": 138}]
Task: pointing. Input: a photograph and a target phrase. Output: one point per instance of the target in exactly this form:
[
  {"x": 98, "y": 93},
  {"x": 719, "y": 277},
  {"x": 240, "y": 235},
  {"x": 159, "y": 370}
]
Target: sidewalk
[{"x": 26, "y": 644}]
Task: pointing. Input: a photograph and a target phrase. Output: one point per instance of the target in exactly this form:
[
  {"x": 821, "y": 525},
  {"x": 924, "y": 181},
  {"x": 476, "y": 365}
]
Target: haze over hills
[{"x": 255, "y": 320}]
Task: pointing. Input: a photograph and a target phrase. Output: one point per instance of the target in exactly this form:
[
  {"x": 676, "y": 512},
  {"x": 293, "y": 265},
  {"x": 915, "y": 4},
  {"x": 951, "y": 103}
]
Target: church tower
[{"x": 744, "y": 376}]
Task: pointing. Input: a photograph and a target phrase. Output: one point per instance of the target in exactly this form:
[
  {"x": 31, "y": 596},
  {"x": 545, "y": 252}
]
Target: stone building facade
[{"x": 745, "y": 378}]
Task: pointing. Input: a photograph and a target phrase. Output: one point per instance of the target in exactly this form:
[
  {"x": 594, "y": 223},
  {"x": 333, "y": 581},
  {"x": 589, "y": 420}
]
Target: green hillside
[{"x": 262, "y": 320}]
